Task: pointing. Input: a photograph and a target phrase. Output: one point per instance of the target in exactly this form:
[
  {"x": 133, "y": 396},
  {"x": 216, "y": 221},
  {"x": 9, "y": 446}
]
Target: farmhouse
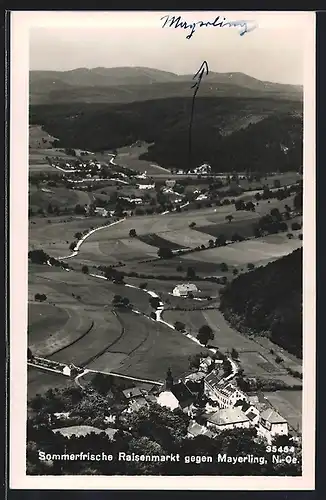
[
  {"x": 184, "y": 289},
  {"x": 228, "y": 418},
  {"x": 273, "y": 424},
  {"x": 101, "y": 211}
]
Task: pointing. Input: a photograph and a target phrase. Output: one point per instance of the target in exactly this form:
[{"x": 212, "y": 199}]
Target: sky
[{"x": 273, "y": 51}]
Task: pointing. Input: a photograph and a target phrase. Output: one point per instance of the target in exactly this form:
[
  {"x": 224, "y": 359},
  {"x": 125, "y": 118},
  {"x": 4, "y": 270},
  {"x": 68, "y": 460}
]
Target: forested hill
[
  {"x": 128, "y": 84},
  {"x": 232, "y": 134},
  {"x": 268, "y": 301}
]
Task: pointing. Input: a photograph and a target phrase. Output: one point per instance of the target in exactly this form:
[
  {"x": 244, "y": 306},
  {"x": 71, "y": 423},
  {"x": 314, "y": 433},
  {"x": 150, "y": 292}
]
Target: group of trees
[
  {"x": 121, "y": 302},
  {"x": 40, "y": 297},
  {"x": 268, "y": 301},
  {"x": 256, "y": 146}
]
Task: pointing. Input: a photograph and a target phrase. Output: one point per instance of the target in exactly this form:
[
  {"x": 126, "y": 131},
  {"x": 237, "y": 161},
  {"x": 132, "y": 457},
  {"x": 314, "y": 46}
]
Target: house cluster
[
  {"x": 213, "y": 404},
  {"x": 203, "y": 169}
]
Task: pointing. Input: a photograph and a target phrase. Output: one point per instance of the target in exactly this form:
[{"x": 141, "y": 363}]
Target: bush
[
  {"x": 224, "y": 267},
  {"x": 295, "y": 226},
  {"x": 40, "y": 297},
  {"x": 165, "y": 253},
  {"x": 85, "y": 269},
  {"x": 178, "y": 325},
  {"x": 250, "y": 266}
]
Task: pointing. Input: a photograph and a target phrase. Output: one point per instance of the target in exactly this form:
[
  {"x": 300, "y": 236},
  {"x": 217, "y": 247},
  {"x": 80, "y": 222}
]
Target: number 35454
[{"x": 280, "y": 449}]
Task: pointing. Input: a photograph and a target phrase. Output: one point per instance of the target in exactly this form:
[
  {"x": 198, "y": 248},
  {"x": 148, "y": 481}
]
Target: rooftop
[
  {"x": 139, "y": 403},
  {"x": 227, "y": 416},
  {"x": 272, "y": 416},
  {"x": 190, "y": 287},
  {"x": 214, "y": 378},
  {"x": 133, "y": 392},
  {"x": 183, "y": 394},
  {"x": 83, "y": 430},
  {"x": 167, "y": 399},
  {"x": 251, "y": 415},
  {"x": 199, "y": 430}
]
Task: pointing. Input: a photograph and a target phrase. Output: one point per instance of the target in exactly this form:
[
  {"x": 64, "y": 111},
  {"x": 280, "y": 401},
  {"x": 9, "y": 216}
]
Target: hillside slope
[
  {"x": 268, "y": 301},
  {"x": 229, "y": 133}
]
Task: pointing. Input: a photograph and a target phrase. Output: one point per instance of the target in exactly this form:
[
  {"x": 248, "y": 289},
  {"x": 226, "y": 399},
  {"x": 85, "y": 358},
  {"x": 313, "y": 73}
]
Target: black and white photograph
[{"x": 162, "y": 200}]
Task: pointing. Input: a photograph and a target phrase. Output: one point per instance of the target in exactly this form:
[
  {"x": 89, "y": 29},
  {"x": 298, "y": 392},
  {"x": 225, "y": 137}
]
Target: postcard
[{"x": 162, "y": 301}]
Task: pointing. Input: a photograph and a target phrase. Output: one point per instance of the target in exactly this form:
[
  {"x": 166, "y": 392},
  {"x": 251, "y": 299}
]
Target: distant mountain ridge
[{"x": 79, "y": 84}]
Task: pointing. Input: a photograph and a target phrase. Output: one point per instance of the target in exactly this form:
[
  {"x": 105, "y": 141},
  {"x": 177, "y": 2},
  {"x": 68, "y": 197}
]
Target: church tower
[{"x": 168, "y": 380}]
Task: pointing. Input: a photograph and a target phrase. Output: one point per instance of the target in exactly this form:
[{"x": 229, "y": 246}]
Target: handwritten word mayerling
[{"x": 219, "y": 22}]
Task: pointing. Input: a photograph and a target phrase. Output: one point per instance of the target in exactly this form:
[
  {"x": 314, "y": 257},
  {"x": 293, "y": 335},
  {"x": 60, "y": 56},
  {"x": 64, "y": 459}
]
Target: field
[
  {"x": 39, "y": 381},
  {"x": 159, "y": 242},
  {"x": 257, "y": 251},
  {"x": 128, "y": 156},
  {"x": 58, "y": 197},
  {"x": 96, "y": 336},
  {"x": 39, "y": 138},
  {"x": 77, "y": 322}
]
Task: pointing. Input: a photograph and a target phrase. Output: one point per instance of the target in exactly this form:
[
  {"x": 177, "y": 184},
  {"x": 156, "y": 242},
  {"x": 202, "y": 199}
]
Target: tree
[
  {"x": 143, "y": 285},
  {"x": 78, "y": 236},
  {"x": 211, "y": 243},
  {"x": 224, "y": 267},
  {"x": 250, "y": 206},
  {"x": 275, "y": 213},
  {"x": 220, "y": 240},
  {"x": 72, "y": 246},
  {"x": 295, "y": 226},
  {"x": 178, "y": 325},
  {"x": 192, "y": 225},
  {"x": 38, "y": 256},
  {"x": 154, "y": 302},
  {"x": 240, "y": 205},
  {"x": 191, "y": 273},
  {"x": 234, "y": 354},
  {"x": 250, "y": 266},
  {"x": 40, "y": 297},
  {"x": 229, "y": 218},
  {"x": 125, "y": 302},
  {"x": 116, "y": 300},
  {"x": 205, "y": 333},
  {"x": 237, "y": 237},
  {"x": 85, "y": 269},
  {"x": 132, "y": 233},
  {"x": 194, "y": 361},
  {"x": 165, "y": 253},
  {"x": 235, "y": 271},
  {"x": 29, "y": 354},
  {"x": 179, "y": 268}
]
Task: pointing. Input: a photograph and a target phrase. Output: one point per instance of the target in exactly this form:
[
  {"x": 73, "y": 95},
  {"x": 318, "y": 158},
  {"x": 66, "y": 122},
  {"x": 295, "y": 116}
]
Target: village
[{"x": 211, "y": 399}]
